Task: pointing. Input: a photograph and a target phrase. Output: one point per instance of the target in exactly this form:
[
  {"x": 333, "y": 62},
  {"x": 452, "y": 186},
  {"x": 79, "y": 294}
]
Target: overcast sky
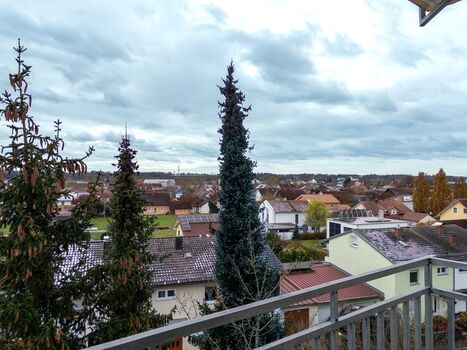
[{"x": 335, "y": 86}]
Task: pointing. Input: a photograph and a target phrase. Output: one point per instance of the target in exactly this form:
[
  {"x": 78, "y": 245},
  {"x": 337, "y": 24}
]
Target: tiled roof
[
  {"x": 289, "y": 206},
  {"x": 326, "y": 198},
  {"x": 157, "y": 198},
  {"x": 416, "y": 217},
  {"x": 416, "y": 242},
  {"x": 195, "y": 262},
  {"x": 323, "y": 273},
  {"x": 289, "y": 193},
  {"x": 385, "y": 205},
  {"x": 185, "y": 221}
]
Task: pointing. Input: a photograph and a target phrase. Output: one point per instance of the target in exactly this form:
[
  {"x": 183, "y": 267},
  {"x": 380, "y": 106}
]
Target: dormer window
[{"x": 454, "y": 210}]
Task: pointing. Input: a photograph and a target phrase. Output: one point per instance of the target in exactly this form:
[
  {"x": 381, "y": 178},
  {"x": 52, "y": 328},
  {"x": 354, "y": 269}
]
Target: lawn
[
  {"x": 309, "y": 243},
  {"x": 164, "y": 233},
  {"x": 163, "y": 221},
  {"x": 166, "y": 220}
]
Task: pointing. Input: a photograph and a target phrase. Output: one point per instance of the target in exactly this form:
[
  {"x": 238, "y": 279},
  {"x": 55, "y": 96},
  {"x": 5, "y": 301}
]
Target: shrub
[
  {"x": 462, "y": 322},
  {"x": 294, "y": 254},
  {"x": 319, "y": 235},
  {"x": 274, "y": 242},
  {"x": 317, "y": 254}
]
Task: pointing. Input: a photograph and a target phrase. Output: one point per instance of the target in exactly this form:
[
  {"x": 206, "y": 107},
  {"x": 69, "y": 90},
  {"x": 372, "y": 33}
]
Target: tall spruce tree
[
  {"x": 37, "y": 309},
  {"x": 421, "y": 194},
  {"x": 120, "y": 305},
  {"x": 441, "y": 192},
  {"x": 242, "y": 274},
  {"x": 460, "y": 188}
]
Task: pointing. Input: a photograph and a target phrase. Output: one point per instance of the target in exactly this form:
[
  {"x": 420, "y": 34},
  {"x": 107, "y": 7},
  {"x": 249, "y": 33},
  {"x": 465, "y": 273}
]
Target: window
[
  {"x": 413, "y": 277},
  {"x": 296, "y": 219},
  {"x": 353, "y": 241},
  {"x": 465, "y": 210},
  {"x": 334, "y": 229},
  {"x": 454, "y": 210},
  {"x": 166, "y": 294},
  {"x": 441, "y": 271},
  {"x": 209, "y": 293}
]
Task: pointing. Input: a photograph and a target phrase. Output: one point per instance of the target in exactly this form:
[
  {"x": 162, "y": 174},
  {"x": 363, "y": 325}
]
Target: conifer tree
[
  {"x": 37, "y": 309},
  {"x": 460, "y": 188},
  {"x": 120, "y": 304},
  {"x": 441, "y": 192},
  {"x": 242, "y": 273},
  {"x": 421, "y": 194}
]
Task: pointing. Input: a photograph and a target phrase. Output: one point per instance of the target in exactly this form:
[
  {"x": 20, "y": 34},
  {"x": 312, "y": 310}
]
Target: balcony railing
[{"x": 370, "y": 319}]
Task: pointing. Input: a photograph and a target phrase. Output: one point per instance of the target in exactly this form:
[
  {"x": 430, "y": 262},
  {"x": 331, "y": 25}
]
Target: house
[
  {"x": 157, "y": 203},
  {"x": 283, "y": 216},
  {"x": 404, "y": 195},
  {"x": 419, "y": 218},
  {"x": 66, "y": 203},
  {"x": 331, "y": 202},
  {"x": 180, "y": 191},
  {"x": 361, "y": 219},
  {"x": 390, "y": 207},
  {"x": 196, "y": 224},
  {"x": 182, "y": 278},
  {"x": 316, "y": 310},
  {"x": 456, "y": 210},
  {"x": 158, "y": 183},
  {"x": 353, "y": 250}
]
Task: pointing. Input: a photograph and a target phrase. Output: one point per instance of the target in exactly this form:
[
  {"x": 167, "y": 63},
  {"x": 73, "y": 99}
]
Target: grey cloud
[{"x": 342, "y": 46}]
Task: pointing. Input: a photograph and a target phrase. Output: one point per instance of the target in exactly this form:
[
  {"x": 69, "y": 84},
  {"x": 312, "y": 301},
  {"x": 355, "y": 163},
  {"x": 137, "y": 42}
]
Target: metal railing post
[
  {"x": 380, "y": 331},
  {"x": 418, "y": 323},
  {"x": 405, "y": 326},
  {"x": 428, "y": 307},
  {"x": 451, "y": 327},
  {"x": 334, "y": 315},
  {"x": 366, "y": 334}
]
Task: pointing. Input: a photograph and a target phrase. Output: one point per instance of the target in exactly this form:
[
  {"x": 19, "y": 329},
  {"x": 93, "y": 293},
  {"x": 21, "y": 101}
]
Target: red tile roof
[
  {"x": 323, "y": 273},
  {"x": 326, "y": 198}
]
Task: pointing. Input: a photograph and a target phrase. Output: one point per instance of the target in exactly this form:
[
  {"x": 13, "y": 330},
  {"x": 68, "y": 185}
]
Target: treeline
[{"x": 432, "y": 199}]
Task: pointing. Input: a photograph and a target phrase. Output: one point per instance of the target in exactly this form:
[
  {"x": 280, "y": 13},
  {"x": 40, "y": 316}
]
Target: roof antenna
[{"x": 126, "y": 132}]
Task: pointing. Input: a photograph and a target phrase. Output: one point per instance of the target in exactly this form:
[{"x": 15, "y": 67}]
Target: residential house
[
  {"x": 419, "y": 218},
  {"x": 331, "y": 202},
  {"x": 66, "y": 203},
  {"x": 456, "y": 210},
  {"x": 184, "y": 277},
  {"x": 404, "y": 195},
  {"x": 196, "y": 224},
  {"x": 157, "y": 203},
  {"x": 283, "y": 216},
  {"x": 159, "y": 183},
  {"x": 316, "y": 310},
  {"x": 262, "y": 193},
  {"x": 390, "y": 207},
  {"x": 360, "y": 251},
  {"x": 361, "y": 219},
  {"x": 180, "y": 191}
]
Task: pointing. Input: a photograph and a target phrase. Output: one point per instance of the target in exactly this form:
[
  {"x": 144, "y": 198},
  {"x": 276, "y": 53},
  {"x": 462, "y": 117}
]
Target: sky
[{"x": 335, "y": 86}]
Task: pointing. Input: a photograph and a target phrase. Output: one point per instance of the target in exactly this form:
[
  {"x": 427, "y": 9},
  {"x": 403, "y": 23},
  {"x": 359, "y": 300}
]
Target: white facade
[
  {"x": 204, "y": 209},
  {"x": 335, "y": 226},
  {"x": 460, "y": 283},
  {"x": 268, "y": 215}
]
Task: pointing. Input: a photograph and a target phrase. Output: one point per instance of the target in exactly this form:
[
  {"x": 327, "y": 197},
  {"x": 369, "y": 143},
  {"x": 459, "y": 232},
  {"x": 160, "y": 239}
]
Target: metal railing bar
[
  {"x": 393, "y": 328},
  {"x": 165, "y": 334},
  {"x": 326, "y": 327},
  {"x": 428, "y": 308},
  {"x": 449, "y": 263},
  {"x": 418, "y": 323},
  {"x": 405, "y": 326},
  {"x": 449, "y": 294},
  {"x": 380, "y": 331},
  {"x": 451, "y": 326}
]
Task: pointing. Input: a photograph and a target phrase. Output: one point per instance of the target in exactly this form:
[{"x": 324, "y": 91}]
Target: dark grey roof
[
  {"x": 416, "y": 242},
  {"x": 195, "y": 262},
  {"x": 186, "y": 220}
]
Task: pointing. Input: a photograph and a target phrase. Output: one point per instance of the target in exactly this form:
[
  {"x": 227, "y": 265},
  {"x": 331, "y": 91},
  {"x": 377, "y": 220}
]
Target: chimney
[
  {"x": 380, "y": 215},
  {"x": 440, "y": 230},
  {"x": 398, "y": 233},
  {"x": 179, "y": 243},
  {"x": 452, "y": 239}
]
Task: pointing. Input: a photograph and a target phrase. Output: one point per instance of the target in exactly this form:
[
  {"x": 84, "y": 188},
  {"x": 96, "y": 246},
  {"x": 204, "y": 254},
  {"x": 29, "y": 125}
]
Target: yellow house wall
[
  {"x": 356, "y": 260},
  {"x": 186, "y": 301},
  {"x": 364, "y": 258},
  {"x": 449, "y": 214}
]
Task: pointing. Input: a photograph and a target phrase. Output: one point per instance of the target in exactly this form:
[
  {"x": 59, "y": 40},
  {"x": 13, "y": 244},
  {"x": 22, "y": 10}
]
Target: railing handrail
[
  {"x": 326, "y": 327},
  {"x": 166, "y": 334}
]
